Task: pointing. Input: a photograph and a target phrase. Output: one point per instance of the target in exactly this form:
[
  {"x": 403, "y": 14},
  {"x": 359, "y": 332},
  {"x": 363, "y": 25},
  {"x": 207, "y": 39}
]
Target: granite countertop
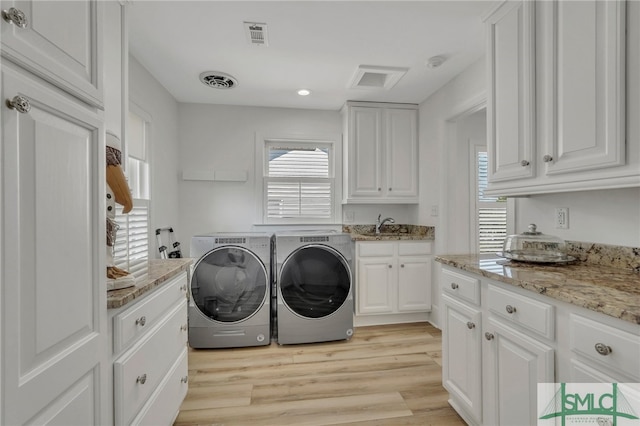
[
  {"x": 160, "y": 270},
  {"x": 390, "y": 232},
  {"x": 611, "y": 291}
]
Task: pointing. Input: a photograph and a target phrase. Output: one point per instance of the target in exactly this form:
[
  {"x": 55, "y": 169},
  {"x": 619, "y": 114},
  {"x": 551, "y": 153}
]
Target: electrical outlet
[
  {"x": 434, "y": 210},
  {"x": 562, "y": 218},
  {"x": 349, "y": 216}
]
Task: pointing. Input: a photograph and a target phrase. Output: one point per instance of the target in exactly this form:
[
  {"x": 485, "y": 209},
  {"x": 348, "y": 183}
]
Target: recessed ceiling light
[{"x": 304, "y": 92}]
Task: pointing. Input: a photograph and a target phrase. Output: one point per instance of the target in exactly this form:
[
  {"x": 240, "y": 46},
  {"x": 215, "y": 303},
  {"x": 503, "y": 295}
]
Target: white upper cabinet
[
  {"x": 557, "y": 97},
  {"x": 511, "y": 98},
  {"x": 381, "y": 153},
  {"x": 59, "y": 41}
]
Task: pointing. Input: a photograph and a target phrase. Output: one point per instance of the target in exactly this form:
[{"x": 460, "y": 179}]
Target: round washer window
[
  {"x": 229, "y": 284},
  {"x": 315, "y": 281}
]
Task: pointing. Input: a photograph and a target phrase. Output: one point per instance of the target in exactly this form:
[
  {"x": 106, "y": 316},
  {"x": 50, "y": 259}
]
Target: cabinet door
[
  {"x": 377, "y": 278},
  {"x": 461, "y": 355},
  {"x": 365, "y": 167},
  {"x": 54, "y": 358},
  {"x": 401, "y": 152},
  {"x": 414, "y": 277},
  {"x": 511, "y": 97},
  {"x": 60, "y": 42},
  {"x": 585, "y": 97},
  {"x": 515, "y": 364}
]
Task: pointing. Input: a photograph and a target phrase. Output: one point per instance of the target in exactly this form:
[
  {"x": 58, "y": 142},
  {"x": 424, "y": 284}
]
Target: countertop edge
[
  {"x": 573, "y": 292},
  {"x": 160, "y": 270}
]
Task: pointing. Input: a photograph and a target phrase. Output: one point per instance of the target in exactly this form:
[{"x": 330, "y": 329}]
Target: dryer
[
  {"x": 314, "y": 287},
  {"x": 230, "y": 287}
]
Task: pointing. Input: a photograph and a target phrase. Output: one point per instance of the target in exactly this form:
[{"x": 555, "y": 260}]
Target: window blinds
[{"x": 131, "y": 251}]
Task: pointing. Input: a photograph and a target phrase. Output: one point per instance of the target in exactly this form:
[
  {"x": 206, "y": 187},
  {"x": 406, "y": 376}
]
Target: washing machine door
[
  {"x": 229, "y": 284},
  {"x": 315, "y": 281}
]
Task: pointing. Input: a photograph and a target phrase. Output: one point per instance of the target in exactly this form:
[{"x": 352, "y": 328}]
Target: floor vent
[{"x": 256, "y": 33}]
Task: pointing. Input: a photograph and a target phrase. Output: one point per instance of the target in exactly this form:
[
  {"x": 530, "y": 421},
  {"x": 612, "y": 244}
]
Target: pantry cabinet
[
  {"x": 59, "y": 41},
  {"x": 380, "y": 153},
  {"x": 557, "y": 97},
  {"x": 393, "y": 277}
]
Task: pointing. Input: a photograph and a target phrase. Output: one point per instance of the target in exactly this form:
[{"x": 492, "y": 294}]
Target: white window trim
[{"x": 261, "y": 161}]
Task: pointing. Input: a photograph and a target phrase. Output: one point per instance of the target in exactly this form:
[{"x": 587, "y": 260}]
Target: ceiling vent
[
  {"x": 374, "y": 77},
  {"x": 256, "y": 33},
  {"x": 218, "y": 80}
]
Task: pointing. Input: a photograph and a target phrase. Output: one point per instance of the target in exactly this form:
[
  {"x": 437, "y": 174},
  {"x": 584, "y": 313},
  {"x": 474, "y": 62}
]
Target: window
[
  {"x": 132, "y": 239},
  {"x": 491, "y": 212},
  {"x": 299, "y": 183}
]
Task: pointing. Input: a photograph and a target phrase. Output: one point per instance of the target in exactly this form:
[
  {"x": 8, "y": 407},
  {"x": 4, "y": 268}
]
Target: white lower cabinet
[
  {"x": 150, "y": 376},
  {"x": 393, "y": 277},
  {"x": 499, "y": 342},
  {"x": 491, "y": 365}
]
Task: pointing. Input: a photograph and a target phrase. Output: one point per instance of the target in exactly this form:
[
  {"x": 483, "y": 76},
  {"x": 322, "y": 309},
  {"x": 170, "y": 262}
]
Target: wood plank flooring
[{"x": 385, "y": 375}]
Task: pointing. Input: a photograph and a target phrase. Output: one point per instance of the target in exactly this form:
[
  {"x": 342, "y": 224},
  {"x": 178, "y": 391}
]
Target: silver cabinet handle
[
  {"x": 185, "y": 379},
  {"x": 379, "y": 189},
  {"x": 402, "y": 266},
  {"x": 488, "y": 336},
  {"x": 471, "y": 325},
  {"x": 16, "y": 17},
  {"x": 389, "y": 189},
  {"x": 603, "y": 349},
  {"x": 142, "y": 379},
  {"x": 183, "y": 327},
  {"x": 20, "y": 104},
  {"x": 141, "y": 321},
  {"x": 390, "y": 266},
  {"x": 510, "y": 309},
  {"x": 183, "y": 287},
  {"x": 524, "y": 163},
  {"x": 454, "y": 286},
  {"x": 547, "y": 158}
]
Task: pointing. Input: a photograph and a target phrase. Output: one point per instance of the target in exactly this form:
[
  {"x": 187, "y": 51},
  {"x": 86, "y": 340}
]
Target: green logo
[{"x": 591, "y": 402}]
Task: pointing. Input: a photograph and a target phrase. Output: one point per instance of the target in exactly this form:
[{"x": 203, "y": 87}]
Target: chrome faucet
[{"x": 380, "y": 223}]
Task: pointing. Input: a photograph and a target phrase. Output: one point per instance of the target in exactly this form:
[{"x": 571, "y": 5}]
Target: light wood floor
[{"x": 385, "y": 375}]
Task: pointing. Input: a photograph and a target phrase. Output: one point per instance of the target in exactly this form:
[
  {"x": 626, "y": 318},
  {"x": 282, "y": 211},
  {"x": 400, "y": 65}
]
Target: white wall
[
  {"x": 220, "y": 137},
  {"x": 606, "y": 217},
  {"x": 147, "y": 93}
]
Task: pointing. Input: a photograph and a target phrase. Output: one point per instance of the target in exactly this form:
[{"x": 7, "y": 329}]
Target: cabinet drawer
[
  {"x": 413, "y": 248},
  {"x": 609, "y": 346},
  {"x": 461, "y": 286},
  {"x": 529, "y": 313},
  {"x": 139, "y": 371},
  {"x": 375, "y": 249},
  {"x": 164, "y": 404},
  {"x": 133, "y": 322}
]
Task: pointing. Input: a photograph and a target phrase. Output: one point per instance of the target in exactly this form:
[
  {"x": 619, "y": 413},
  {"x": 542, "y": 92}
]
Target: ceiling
[{"x": 316, "y": 45}]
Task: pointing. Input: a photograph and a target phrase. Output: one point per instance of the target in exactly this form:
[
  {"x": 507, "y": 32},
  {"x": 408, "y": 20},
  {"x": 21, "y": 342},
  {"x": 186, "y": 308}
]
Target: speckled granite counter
[
  {"x": 390, "y": 232},
  {"x": 611, "y": 291},
  {"x": 160, "y": 270}
]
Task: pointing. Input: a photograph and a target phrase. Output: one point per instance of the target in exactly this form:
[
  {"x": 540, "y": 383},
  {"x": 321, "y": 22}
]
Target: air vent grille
[
  {"x": 218, "y": 80},
  {"x": 256, "y": 33}
]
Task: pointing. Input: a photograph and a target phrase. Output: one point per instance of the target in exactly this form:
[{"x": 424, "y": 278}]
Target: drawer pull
[
  {"x": 402, "y": 266},
  {"x": 488, "y": 336},
  {"x": 510, "y": 309},
  {"x": 183, "y": 327},
  {"x": 185, "y": 379},
  {"x": 547, "y": 158},
  {"x": 390, "y": 266},
  {"x": 603, "y": 349},
  {"x": 183, "y": 287},
  {"x": 471, "y": 325},
  {"x": 16, "y": 17},
  {"x": 454, "y": 286},
  {"x": 20, "y": 104},
  {"x": 141, "y": 321},
  {"x": 524, "y": 163},
  {"x": 142, "y": 379}
]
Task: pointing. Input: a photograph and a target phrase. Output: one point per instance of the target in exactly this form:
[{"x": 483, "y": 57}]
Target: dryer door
[
  {"x": 229, "y": 284},
  {"x": 315, "y": 281}
]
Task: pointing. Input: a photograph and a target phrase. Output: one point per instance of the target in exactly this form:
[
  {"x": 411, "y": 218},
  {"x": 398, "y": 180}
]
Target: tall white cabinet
[
  {"x": 53, "y": 300},
  {"x": 380, "y": 153},
  {"x": 557, "y": 104}
]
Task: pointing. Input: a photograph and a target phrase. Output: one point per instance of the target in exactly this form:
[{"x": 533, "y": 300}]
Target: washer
[
  {"x": 314, "y": 286},
  {"x": 230, "y": 290}
]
